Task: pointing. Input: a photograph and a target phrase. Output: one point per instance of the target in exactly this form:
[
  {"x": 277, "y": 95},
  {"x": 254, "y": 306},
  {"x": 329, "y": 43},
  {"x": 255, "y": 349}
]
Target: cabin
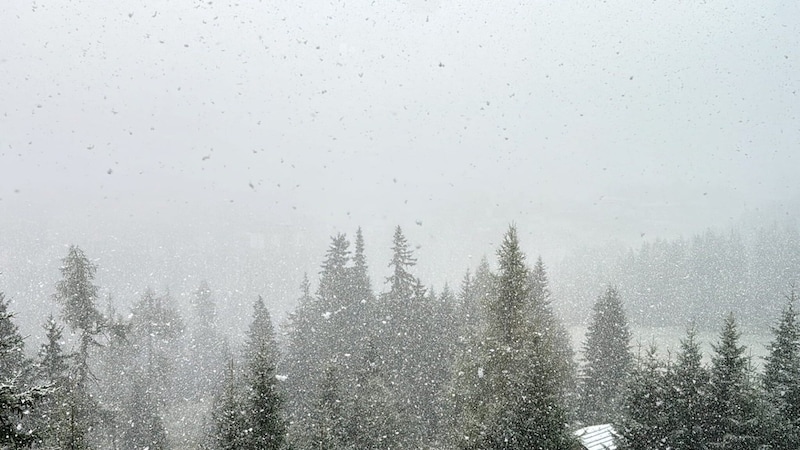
[{"x": 597, "y": 437}]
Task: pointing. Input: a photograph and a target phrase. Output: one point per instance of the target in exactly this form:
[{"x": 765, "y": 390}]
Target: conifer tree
[
  {"x": 53, "y": 370},
  {"x": 607, "y": 361},
  {"x": 77, "y": 295},
  {"x": 267, "y": 428},
  {"x": 781, "y": 377},
  {"x": 540, "y": 315},
  {"x": 17, "y": 397},
  {"x": 689, "y": 403},
  {"x": 203, "y": 347},
  {"x": 401, "y": 282},
  {"x": 11, "y": 345},
  {"x": 736, "y": 420},
  {"x": 229, "y": 412},
  {"x": 645, "y": 422},
  {"x": 327, "y": 430},
  {"x": 376, "y": 416},
  {"x": 155, "y": 327},
  {"x": 362, "y": 286},
  {"x": 515, "y": 400}
]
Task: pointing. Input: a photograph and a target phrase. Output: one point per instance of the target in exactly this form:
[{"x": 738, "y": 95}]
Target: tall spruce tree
[
  {"x": 608, "y": 361},
  {"x": 77, "y": 295},
  {"x": 53, "y": 370},
  {"x": 376, "y": 417},
  {"x": 155, "y": 327},
  {"x": 230, "y": 427},
  {"x": 267, "y": 428},
  {"x": 17, "y": 397},
  {"x": 541, "y": 316},
  {"x": 736, "y": 419},
  {"x": 327, "y": 424},
  {"x": 204, "y": 354},
  {"x": 781, "y": 377},
  {"x": 14, "y": 363},
  {"x": 690, "y": 415},
  {"x": 515, "y": 400},
  {"x": 401, "y": 281},
  {"x": 645, "y": 422}
]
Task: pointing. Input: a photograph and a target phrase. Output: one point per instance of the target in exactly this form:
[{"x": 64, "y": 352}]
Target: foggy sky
[{"x": 211, "y": 130}]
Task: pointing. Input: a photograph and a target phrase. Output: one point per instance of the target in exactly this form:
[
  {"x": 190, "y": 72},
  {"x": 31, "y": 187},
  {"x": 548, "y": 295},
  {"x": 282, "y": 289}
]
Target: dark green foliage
[
  {"x": 513, "y": 398},
  {"x": 329, "y": 418},
  {"x": 668, "y": 406},
  {"x": 229, "y": 412},
  {"x": 144, "y": 428},
  {"x": 203, "y": 352},
  {"x": 147, "y": 370},
  {"x": 16, "y": 396},
  {"x": 401, "y": 282},
  {"x": 781, "y": 378},
  {"x": 645, "y": 423},
  {"x": 77, "y": 295},
  {"x": 689, "y": 401},
  {"x": 266, "y": 426},
  {"x": 376, "y": 416},
  {"x": 53, "y": 370},
  {"x": 736, "y": 410},
  {"x": 556, "y": 338},
  {"x": 326, "y": 329},
  {"x": 608, "y": 361}
]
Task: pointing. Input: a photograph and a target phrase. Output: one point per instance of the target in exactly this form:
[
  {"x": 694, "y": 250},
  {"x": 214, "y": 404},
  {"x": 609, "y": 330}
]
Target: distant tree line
[
  {"x": 489, "y": 366},
  {"x": 669, "y": 282}
]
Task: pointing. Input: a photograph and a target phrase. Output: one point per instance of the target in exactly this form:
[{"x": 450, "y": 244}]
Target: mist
[{"x": 229, "y": 142}]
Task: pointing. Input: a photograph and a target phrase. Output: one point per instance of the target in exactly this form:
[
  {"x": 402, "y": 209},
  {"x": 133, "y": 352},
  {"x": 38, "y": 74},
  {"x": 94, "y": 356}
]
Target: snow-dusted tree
[
  {"x": 361, "y": 284},
  {"x": 53, "y": 370},
  {"x": 782, "y": 369},
  {"x": 145, "y": 428},
  {"x": 17, "y": 397},
  {"x": 607, "y": 361},
  {"x": 375, "y": 419},
  {"x": 229, "y": 412},
  {"x": 266, "y": 425},
  {"x": 540, "y": 315},
  {"x": 77, "y": 295},
  {"x": 154, "y": 329},
  {"x": 203, "y": 353},
  {"x": 12, "y": 346},
  {"x": 328, "y": 419},
  {"x": 515, "y": 400},
  {"x": 401, "y": 282},
  {"x": 690, "y": 397},
  {"x": 645, "y": 422},
  {"x": 736, "y": 412}
]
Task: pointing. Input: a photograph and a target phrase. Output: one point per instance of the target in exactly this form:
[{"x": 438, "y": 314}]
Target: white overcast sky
[{"x": 579, "y": 121}]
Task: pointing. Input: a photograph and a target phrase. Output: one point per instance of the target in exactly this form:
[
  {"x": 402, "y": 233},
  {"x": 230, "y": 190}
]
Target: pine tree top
[{"x": 76, "y": 293}]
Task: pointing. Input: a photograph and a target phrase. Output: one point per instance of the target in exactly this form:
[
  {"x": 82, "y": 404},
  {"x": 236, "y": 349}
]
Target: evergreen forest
[{"x": 486, "y": 364}]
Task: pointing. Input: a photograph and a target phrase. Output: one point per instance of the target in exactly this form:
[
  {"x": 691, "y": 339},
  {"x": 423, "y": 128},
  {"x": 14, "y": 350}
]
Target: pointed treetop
[
  {"x": 261, "y": 343},
  {"x": 76, "y": 293},
  {"x": 359, "y": 259},
  {"x": 401, "y": 282},
  {"x": 305, "y": 289},
  {"x": 507, "y": 312}
]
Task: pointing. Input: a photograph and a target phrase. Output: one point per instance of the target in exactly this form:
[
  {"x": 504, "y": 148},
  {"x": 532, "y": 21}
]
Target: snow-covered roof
[{"x": 597, "y": 437}]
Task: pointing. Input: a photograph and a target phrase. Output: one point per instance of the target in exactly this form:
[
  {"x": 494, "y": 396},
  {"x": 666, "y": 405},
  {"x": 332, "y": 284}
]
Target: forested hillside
[
  {"x": 487, "y": 364},
  {"x": 670, "y": 282}
]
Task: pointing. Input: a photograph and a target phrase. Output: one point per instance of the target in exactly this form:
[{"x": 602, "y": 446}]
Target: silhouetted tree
[
  {"x": 515, "y": 400},
  {"x": 77, "y": 295},
  {"x": 608, "y": 361},
  {"x": 266, "y": 425},
  {"x": 782, "y": 371}
]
